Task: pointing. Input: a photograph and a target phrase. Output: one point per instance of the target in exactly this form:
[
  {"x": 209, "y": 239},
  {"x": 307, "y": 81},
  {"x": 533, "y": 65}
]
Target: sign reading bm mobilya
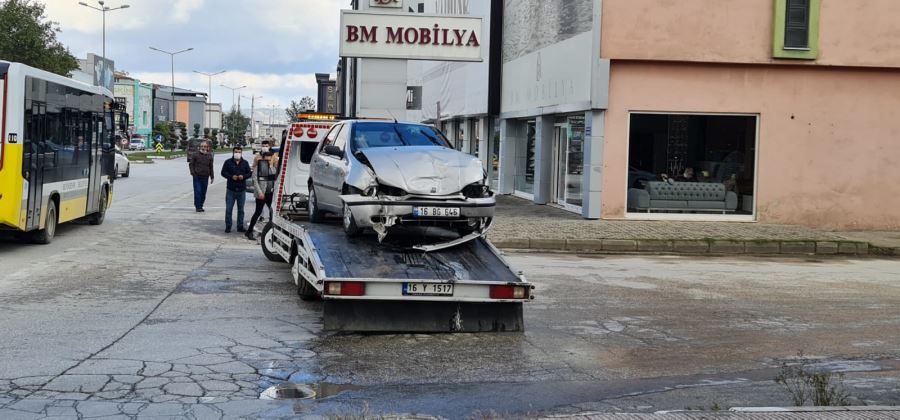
[{"x": 410, "y": 37}]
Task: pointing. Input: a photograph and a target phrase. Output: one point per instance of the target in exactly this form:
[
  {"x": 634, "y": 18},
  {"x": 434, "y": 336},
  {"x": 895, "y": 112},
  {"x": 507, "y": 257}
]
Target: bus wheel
[
  {"x": 45, "y": 235},
  {"x": 97, "y": 218}
]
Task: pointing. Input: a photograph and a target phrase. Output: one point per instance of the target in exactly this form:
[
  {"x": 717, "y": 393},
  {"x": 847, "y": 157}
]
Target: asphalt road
[{"x": 159, "y": 312}]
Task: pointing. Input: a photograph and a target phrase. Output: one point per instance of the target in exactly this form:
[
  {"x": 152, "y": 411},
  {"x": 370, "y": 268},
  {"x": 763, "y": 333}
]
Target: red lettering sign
[{"x": 352, "y": 33}]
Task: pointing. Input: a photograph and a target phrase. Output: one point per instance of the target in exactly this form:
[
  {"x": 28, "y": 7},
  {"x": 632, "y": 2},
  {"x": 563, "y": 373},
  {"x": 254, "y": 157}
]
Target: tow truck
[{"x": 372, "y": 286}]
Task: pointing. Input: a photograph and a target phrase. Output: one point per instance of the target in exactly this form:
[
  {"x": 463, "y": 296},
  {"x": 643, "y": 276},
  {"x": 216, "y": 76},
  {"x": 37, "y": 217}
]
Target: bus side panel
[{"x": 12, "y": 205}]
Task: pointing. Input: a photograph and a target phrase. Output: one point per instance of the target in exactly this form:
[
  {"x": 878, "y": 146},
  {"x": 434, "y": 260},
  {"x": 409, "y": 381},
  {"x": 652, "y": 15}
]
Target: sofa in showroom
[{"x": 682, "y": 196}]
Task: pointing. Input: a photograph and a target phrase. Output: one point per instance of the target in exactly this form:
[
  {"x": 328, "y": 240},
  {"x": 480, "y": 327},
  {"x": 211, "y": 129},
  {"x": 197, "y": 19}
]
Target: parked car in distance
[
  {"x": 137, "y": 144},
  {"x": 123, "y": 166},
  {"x": 380, "y": 174}
]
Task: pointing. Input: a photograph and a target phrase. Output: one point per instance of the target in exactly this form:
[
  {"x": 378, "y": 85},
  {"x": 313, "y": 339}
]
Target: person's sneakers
[
  {"x": 249, "y": 235},
  {"x": 201, "y": 210},
  {"x": 228, "y": 230},
  {"x": 240, "y": 229}
]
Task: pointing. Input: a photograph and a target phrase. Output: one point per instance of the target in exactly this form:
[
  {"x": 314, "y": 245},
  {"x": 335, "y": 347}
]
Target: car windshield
[{"x": 368, "y": 135}]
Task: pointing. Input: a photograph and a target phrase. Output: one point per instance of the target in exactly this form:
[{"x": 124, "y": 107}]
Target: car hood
[{"x": 426, "y": 170}]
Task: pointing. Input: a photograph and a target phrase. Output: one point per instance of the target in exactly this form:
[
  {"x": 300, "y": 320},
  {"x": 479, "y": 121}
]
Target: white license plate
[
  {"x": 436, "y": 211},
  {"x": 427, "y": 289}
]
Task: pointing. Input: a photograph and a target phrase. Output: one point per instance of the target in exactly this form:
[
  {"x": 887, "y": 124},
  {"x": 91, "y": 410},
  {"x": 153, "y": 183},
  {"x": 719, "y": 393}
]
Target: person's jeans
[
  {"x": 201, "y": 183},
  {"x": 230, "y": 198},
  {"x": 260, "y": 205}
]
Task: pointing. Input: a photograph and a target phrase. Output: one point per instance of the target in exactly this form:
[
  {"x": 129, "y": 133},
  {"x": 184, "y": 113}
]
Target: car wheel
[
  {"x": 350, "y": 227},
  {"x": 98, "y": 217},
  {"x": 127, "y": 171},
  {"x": 116, "y": 172},
  {"x": 315, "y": 214},
  {"x": 45, "y": 235},
  {"x": 268, "y": 244}
]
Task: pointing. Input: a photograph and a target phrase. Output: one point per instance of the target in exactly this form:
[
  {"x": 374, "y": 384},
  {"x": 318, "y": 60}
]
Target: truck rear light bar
[
  {"x": 346, "y": 288},
  {"x": 509, "y": 292}
]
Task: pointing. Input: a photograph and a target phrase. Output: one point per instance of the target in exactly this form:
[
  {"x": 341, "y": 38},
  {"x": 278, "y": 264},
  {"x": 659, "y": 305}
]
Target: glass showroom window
[
  {"x": 525, "y": 161},
  {"x": 692, "y": 164}
]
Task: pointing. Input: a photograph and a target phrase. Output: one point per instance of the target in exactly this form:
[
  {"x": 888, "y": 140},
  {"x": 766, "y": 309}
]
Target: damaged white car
[{"x": 380, "y": 174}]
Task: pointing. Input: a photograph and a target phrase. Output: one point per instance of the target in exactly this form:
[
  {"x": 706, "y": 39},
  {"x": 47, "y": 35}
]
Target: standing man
[
  {"x": 236, "y": 170},
  {"x": 201, "y": 167},
  {"x": 264, "y": 182}
]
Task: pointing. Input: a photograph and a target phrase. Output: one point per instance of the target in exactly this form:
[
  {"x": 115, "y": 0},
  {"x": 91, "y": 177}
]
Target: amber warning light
[{"x": 320, "y": 117}]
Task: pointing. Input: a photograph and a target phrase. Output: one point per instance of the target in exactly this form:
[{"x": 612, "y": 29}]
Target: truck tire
[
  {"x": 315, "y": 214},
  {"x": 267, "y": 244},
  {"x": 305, "y": 290},
  {"x": 45, "y": 235},
  {"x": 98, "y": 217}
]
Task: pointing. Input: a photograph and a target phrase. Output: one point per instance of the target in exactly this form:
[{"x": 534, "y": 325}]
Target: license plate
[
  {"x": 436, "y": 211},
  {"x": 427, "y": 289}
]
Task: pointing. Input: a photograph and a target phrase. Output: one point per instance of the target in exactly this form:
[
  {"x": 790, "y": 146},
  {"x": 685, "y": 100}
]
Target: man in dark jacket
[
  {"x": 236, "y": 170},
  {"x": 201, "y": 167}
]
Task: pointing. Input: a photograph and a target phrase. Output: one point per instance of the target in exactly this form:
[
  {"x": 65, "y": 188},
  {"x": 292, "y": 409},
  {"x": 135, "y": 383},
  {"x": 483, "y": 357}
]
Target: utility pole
[{"x": 252, "y": 99}]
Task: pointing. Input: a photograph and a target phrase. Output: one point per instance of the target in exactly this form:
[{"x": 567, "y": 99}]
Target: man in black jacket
[
  {"x": 201, "y": 167},
  {"x": 236, "y": 170}
]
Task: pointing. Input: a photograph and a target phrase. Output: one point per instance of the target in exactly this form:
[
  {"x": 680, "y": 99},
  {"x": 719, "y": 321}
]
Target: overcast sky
[{"x": 272, "y": 46}]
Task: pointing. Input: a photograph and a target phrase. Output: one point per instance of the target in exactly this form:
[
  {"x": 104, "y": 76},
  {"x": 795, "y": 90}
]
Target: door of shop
[{"x": 566, "y": 171}]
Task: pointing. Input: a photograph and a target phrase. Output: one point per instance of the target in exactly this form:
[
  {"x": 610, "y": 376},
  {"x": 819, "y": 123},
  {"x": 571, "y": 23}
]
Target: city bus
[{"x": 57, "y": 151}]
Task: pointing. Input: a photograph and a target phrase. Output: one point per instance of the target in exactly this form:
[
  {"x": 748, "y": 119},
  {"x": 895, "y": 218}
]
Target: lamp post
[
  {"x": 172, "y": 54},
  {"x": 103, "y": 9},
  {"x": 252, "y": 99},
  {"x": 209, "y": 95},
  {"x": 233, "y": 90}
]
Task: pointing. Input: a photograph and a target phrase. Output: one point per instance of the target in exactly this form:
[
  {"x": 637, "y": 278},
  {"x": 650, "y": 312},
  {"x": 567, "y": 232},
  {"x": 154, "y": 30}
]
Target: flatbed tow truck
[{"x": 368, "y": 286}]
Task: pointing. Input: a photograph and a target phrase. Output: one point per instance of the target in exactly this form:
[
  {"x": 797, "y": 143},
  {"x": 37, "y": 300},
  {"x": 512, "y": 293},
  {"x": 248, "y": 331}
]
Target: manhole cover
[{"x": 288, "y": 392}]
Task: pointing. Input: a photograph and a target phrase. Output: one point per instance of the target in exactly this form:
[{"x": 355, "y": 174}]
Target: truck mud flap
[{"x": 397, "y": 316}]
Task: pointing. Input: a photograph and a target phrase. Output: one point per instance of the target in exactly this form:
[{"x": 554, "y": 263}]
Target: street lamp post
[
  {"x": 209, "y": 96},
  {"x": 252, "y": 99},
  {"x": 103, "y": 9},
  {"x": 233, "y": 90},
  {"x": 172, "y": 55}
]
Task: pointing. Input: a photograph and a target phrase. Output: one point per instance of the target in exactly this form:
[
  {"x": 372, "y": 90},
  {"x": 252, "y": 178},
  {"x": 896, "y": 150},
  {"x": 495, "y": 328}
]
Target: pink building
[{"x": 777, "y": 111}]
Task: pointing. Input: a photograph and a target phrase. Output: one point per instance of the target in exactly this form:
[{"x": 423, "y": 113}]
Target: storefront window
[
  {"x": 494, "y": 146},
  {"x": 691, "y": 164},
  {"x": 574, "y": 161},
  {"x": 525, "y": 161}
]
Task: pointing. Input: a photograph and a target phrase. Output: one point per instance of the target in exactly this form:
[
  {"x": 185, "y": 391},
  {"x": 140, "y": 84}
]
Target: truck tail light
[
  {"x": 346, "y": 288},
  {"x": 508, "y": 292}
]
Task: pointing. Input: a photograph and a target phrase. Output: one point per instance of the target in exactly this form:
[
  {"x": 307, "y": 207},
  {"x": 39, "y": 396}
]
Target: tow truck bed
[{"x": 471, "y": 284}]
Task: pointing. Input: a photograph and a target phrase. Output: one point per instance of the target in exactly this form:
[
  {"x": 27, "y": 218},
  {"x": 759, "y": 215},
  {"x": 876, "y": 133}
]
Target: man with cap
[{"x": 236, "y": 170}]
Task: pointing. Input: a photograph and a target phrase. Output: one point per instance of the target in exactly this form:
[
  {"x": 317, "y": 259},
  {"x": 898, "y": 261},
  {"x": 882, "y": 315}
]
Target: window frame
[{"x": 779, "y": 49}]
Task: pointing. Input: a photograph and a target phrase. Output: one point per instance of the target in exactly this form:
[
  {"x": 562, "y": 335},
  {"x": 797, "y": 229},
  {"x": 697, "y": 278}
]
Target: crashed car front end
[{"x": 443, "y": 188}]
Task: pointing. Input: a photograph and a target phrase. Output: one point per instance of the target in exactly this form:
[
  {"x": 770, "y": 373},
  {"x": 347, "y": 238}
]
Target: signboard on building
[
  {"x": 394, "y": 4},
  {"x": 410, "y": 37},
  {"x": 102, "y": 71}
]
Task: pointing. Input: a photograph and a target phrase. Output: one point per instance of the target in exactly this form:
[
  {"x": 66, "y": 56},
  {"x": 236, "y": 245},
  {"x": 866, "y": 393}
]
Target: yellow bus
[{"x": 57, "y": 146}]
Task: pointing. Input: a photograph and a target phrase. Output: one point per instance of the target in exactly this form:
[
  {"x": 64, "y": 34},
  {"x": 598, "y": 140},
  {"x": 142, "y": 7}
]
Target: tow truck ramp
[{"x": 369, "y": 286}]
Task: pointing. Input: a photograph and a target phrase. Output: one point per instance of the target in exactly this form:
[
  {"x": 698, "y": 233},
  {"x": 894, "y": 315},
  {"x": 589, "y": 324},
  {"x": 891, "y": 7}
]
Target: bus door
[
  {"x": 93, "y": 124},
  {"x": 34, "y": 160}
]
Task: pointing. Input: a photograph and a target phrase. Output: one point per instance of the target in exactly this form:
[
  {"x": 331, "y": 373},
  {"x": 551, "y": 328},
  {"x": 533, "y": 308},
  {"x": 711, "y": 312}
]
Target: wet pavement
[{"x": 159, "y": 313}]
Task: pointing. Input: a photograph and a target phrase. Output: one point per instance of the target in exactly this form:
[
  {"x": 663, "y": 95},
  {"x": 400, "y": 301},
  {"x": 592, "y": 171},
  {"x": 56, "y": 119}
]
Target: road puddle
[{"x": 287, "y": 391}]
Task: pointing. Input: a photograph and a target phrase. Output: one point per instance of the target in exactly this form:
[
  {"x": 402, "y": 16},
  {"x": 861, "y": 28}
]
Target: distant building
[
  {"x": 213, "y": 117},
  {"x": 138, "y": 99},
  {"x": 327, "y": 99}
]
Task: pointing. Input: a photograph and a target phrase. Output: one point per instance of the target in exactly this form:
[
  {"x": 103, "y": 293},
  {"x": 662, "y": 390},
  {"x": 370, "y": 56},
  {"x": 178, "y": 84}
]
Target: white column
[
  {"x": 593, "y": 164},
  {"x": 484, "y": 144},
  {"x": 543, "y": 159},
  {"x": 509, "y": 139},
  {"x": 467, "y": 136}
]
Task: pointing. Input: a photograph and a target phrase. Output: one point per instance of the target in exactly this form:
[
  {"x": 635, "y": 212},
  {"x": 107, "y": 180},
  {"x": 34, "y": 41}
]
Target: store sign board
[
  {"x": 394, "y": 4},
  {"x": 410, "y": 36}
]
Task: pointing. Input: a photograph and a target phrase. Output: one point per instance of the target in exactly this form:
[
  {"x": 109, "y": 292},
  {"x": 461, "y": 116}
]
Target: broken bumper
[{"x": 368, "y": 211}]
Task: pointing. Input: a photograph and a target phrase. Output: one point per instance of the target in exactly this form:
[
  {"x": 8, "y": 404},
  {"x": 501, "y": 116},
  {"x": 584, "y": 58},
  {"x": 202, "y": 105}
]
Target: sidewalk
[{"x": 519, "y": 224}]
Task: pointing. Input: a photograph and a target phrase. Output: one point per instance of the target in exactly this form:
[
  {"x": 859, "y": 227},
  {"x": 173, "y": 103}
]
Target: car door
[
  {"x": 319, "y": 171},
  {"x": 336, "y": 169}
]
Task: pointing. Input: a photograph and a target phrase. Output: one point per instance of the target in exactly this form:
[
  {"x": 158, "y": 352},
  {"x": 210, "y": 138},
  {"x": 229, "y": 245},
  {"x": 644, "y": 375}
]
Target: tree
[
  {"x": 196, "y": 130},
  {"x": 29, "y": 38},
  {"x": 306, "y": 104},
  {"x": 235, "y": 125},
  {"x": 165, "y": 130}
]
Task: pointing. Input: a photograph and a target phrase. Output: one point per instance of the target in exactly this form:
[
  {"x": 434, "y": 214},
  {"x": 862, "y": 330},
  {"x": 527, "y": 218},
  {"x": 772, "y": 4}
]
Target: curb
[{"x": 698, "y": 246}]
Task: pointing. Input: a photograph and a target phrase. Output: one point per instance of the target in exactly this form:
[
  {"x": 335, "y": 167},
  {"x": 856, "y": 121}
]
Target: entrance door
[
  {"x": 566, "y": 169},
  {"x": 34, "y": 160}
]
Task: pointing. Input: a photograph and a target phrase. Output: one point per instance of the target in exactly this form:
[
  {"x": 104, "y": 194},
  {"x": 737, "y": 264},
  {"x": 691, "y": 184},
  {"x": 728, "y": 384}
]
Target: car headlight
[
  {"x": 370, "y": 191},
  {"x": 476, "y": 190},
  {"x": 391, "y": 191}
]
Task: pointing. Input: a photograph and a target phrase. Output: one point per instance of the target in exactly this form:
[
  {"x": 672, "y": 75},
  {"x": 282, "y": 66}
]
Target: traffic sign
[
  {"x": 158, "y": 137},
  {"x": 159, "y": 147}
]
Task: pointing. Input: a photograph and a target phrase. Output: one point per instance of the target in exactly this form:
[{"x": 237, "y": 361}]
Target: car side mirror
[{"x": 333, "y": 150}]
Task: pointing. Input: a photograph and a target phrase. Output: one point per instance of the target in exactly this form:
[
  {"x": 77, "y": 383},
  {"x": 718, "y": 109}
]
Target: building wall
[
  {"x": 853, "y": 33},
  {"x": 143, "y": 117},
  {"x": 827, "y": 151}
]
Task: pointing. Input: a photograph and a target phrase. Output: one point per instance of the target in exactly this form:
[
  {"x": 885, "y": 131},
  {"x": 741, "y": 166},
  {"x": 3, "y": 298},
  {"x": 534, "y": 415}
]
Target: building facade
[
  {"x": 138, "y": 99},
  {"x": 327, "y": 94},
  {"x": 213, "y": 116},
  {"x": 791, "y": 105}
]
